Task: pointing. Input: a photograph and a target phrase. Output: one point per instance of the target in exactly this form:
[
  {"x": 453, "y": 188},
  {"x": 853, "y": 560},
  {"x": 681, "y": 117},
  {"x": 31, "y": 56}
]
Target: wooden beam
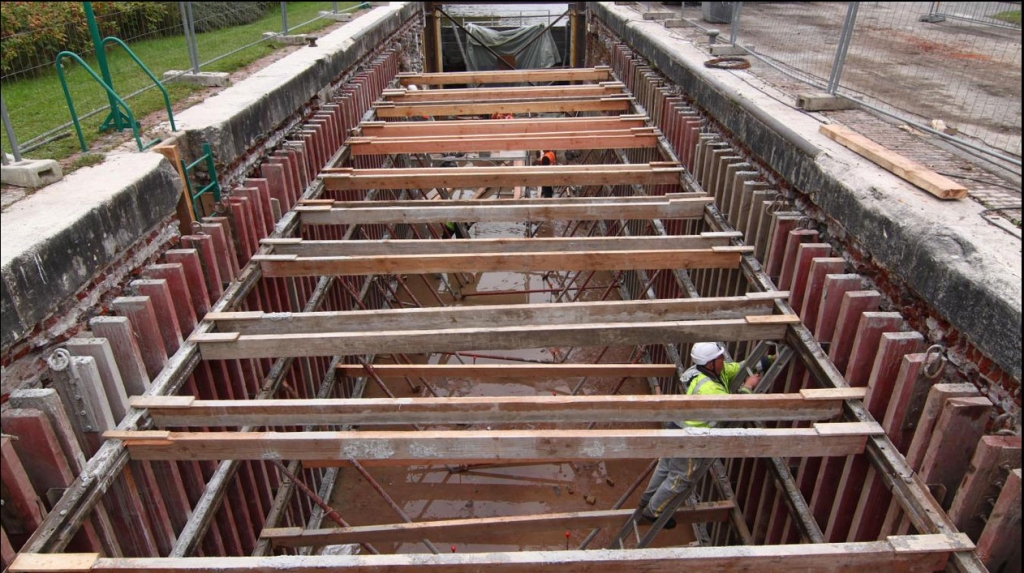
[
  {"x": 480, "y": 528},
  {"x": 906, "y": 169},
  {"x": 537, "y": 315},
  {"x": 385, "y": 247},
  {"x": 619, "y": 104},
  {"x": 907, "y": 553},
  {"x": 182, "y": 411},
  {"x": 471, "y": 447},
  {"x": 502, "y": 176},
  {"x": 610, "y": 139},
  {"x": 523, "y": 372},
  {"x": 404, "y": 96},
  {"x": 595, "y": 74},
  {"x": 481, "y": 126},
  {"x": 498, "y": 261},
  {"x": 504, "y": 210},
  {"x": 219, "y": 346}
]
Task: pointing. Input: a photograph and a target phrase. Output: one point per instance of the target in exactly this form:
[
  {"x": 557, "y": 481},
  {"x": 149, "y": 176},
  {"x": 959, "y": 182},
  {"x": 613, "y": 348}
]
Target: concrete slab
[
  {"x": 57, "y": 240},
  {"x": 946, "y": 254},
  {"x": 31, "y": 173}
]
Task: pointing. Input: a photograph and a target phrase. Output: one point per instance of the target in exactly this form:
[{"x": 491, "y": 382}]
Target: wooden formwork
[{"x": 273, "y": 314}]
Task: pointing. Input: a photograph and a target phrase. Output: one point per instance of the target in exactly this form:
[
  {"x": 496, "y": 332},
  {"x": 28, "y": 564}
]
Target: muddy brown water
[{"x": 427, "y": 493}]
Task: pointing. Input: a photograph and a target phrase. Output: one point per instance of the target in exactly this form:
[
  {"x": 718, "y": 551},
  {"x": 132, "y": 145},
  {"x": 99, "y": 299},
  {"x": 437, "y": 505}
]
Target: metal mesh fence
[
  {"x": 228, "y": 36},
  {"x": 955, "y": 62}
]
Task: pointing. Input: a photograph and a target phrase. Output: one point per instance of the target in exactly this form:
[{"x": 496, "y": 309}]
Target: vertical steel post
[
  {"x": 844, "y": 45},
  {"x": 9, "y": 130},
  {"x": 734, "y": 29},
  {"x": 188, "y": 24},
  {"x": 334, "y": 7},
  {"x": 101, "y": 59},
  {"x": 284, "y": 18}
]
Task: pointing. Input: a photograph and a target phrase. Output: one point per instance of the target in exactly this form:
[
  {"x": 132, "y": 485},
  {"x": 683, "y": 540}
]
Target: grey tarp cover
[{"x": 542, "y": 53}]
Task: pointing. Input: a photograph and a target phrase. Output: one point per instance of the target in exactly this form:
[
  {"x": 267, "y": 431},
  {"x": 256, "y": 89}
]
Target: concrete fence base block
[
  {"x": 295, "y": 40},
  {"x": 31, "y": 173},
  {"x": 677, "y": 23},
  {"x": 657, "y": 15},
  {"x": 206, "y": 79},
  {"x": 823, "y": 102},
  {"x": 337, "y": 17},
  {"x": 727, "y": 50}
]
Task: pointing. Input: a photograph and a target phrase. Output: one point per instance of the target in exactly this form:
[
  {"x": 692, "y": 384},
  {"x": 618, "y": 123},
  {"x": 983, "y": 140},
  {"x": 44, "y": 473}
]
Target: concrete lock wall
[
  {"x": 963, "y": 272},
  {"x": 70, "y": 244}
]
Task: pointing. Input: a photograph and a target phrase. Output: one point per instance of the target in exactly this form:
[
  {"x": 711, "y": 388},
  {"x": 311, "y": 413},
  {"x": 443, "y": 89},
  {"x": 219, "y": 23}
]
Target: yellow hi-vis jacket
[{"x": 698, "y": 383}]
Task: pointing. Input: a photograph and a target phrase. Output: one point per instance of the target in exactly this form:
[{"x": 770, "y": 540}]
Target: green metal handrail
[
  {"x": 110, "y": 92},
  {"x": 212, "y": 187},
  {"x": 159, "y": 85}
]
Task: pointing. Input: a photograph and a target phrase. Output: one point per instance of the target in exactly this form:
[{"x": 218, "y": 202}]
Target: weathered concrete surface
[
  {"x": 242, "y": 116},
  {"x": 56, "y": 241},
  {"x": 967, "y": 270}
]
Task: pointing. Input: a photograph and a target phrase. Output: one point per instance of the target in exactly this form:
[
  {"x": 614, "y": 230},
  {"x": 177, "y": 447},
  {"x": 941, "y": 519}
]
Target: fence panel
[
  {"x": 229, "y": 36},
  {"x": 958, "y": 62}
]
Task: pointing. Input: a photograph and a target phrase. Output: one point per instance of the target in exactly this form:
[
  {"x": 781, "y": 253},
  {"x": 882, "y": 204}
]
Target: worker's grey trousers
[{"x": 672, "y": 476}]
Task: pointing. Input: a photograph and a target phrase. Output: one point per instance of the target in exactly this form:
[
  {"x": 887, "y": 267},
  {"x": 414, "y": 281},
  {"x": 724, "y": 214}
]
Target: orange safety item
[{"x": 550, "y": 156}]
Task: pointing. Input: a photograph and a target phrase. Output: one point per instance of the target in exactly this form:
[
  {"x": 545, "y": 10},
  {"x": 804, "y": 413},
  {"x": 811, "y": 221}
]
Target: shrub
[{"x": 33, "y": 33}]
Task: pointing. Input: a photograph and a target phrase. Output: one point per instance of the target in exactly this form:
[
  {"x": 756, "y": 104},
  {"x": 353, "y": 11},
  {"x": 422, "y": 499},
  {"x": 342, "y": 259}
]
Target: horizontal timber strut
[
  {"x": 480, "y": 528},
  {"x": 618, "y": 104},
  {"x": 611, "y": 139},
  {"x": 595, "y": 74},
  {"x": 404, "y": 96},
  {"x": 491, "y": 316},
  {"x": 500, "y": 261},
  {"x": 504, "y": 210},
  {"x": 510, "y": 371},
  {"x": 185, "y": 411},
  {"x": 384, "y": 247},
  {"x": 470, "y": 447},
  {"x": 502, "y": 176},
  {"x": 228, "y": 345},
  {"x": 490, "y": 126},
  {"x": 908, "y": 553}
]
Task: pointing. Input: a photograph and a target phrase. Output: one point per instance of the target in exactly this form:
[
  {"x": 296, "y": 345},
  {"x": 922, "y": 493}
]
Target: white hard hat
[{"x": 704, "y": 352}]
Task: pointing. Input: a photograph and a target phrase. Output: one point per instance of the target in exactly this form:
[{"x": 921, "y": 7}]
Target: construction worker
[
  {"x": 710, "y": 374},
  {"x": 547, "y": 158}
]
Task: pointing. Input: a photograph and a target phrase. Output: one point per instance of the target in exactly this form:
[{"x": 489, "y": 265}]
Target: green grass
[
  {"x": 1011, "y": 16},
  {"x": 87, "y": 160},
  {"x": 37, "y": 105}
]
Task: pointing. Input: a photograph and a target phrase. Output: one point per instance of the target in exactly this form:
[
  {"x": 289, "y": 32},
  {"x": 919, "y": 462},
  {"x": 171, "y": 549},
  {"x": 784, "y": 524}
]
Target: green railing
[
  {"x": 115, "y": 101},
  {"x": 212, "y": 187},
  {"x": 156, "y": 82}
]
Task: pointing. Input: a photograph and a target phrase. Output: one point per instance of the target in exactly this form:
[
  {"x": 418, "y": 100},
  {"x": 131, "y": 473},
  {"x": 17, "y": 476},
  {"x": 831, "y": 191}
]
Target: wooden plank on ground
[
  {"x": 908, "y": 170},
  {"x": 910, "y": 554},
  {"x": 220, "y": 346},
  {"x": 174, "y": 412},
  {"x": 469, "y": 447},
  {"x": 479, "y": 528}
]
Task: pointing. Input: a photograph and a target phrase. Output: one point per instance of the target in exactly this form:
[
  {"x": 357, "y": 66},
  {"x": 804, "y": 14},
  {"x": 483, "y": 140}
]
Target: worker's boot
[{"x": 649, "y": 520}]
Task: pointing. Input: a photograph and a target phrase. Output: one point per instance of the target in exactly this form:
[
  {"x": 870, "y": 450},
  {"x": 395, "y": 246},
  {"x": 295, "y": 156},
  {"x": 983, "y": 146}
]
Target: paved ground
[{"x": 901, "y": 71}]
